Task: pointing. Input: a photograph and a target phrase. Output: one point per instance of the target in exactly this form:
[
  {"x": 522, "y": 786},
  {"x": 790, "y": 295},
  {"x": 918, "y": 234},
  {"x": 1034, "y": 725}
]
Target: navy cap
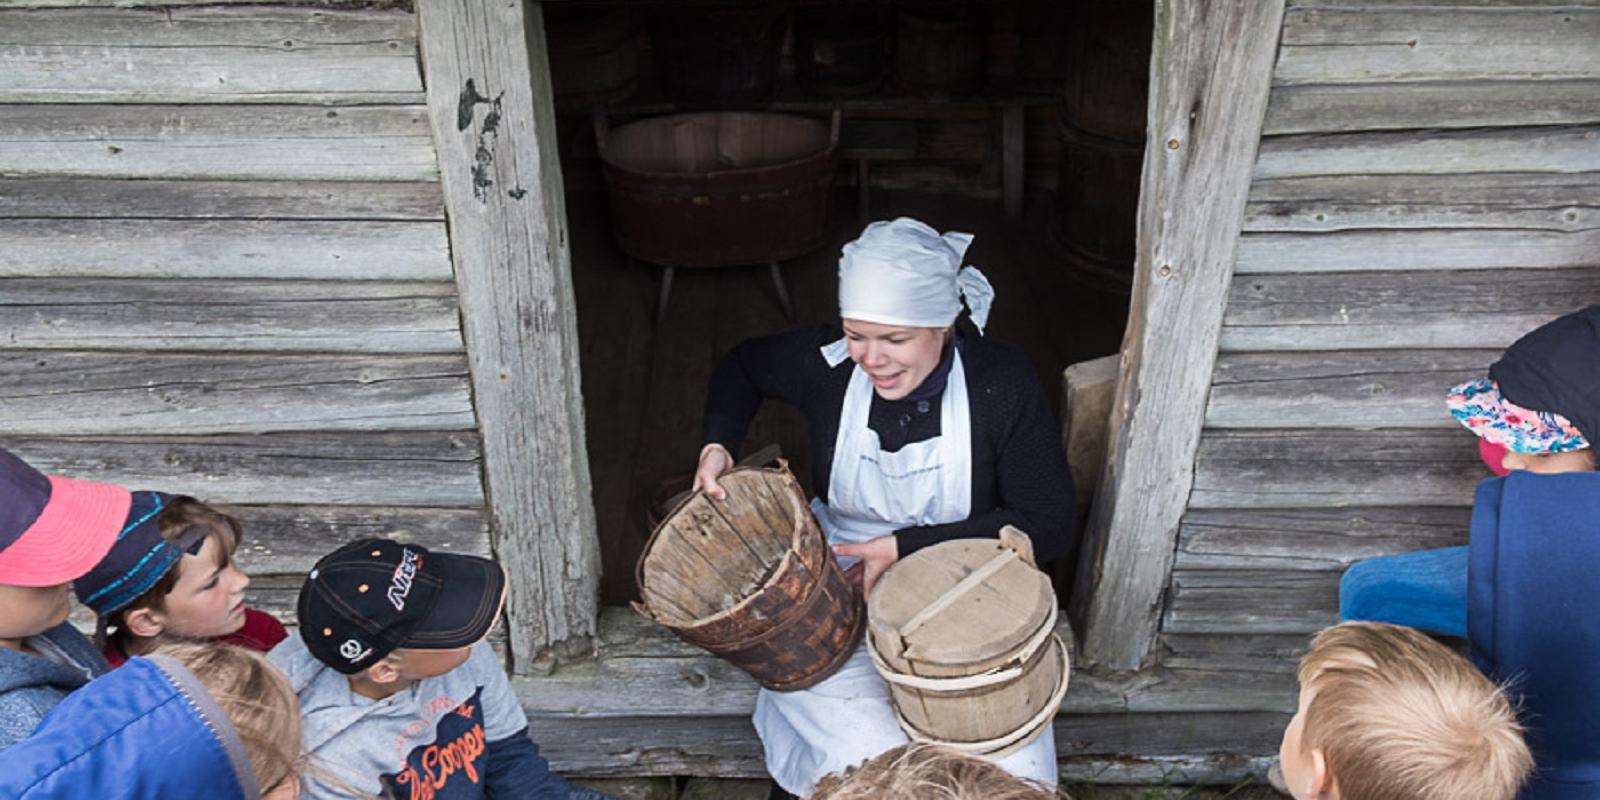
[
  {"x": 364, "y": 600},
  {"x": 1556, "y": 368},
  {"x": 139, "y": 558}
]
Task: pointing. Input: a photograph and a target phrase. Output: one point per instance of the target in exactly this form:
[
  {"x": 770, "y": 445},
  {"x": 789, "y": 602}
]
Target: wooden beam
[
  {"x": 63, "y": 393},
  {"x": 386, "y": 143},
  {"x": 209, "y": 55},
  {"x": 109, "y": 198},
  {"x": 1527, "y": 201},
  {"x": 410, "y": 468},
  {"x": 1210, "y": 73},
  {"x": 1384, "y": 250},
  {"x": 1312, "y": 539},
  {"x": 1469, "y": 104},
  {"x": 1551, "y": 148},
  {"x": 1251, "y": 601},
  {"x": 136, "y": 248},
  {"x": 490, "y": 108},
  {"x": 1360, "y": 45},
  {"x": 1401, "y": 388},
  {"x": 1483, "y": 309},
  {"x": 151, "y": 314}
]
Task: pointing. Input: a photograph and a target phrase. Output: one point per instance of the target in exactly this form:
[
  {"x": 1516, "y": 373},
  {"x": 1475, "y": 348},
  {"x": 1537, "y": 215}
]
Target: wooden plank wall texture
[
  {"x": 1428, "y": 188},
  {"x": 224, "y": 271}
]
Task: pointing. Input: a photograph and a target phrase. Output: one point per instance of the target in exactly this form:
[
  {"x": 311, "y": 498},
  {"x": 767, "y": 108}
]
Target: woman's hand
[
  {"x": 714, "y": 461},
  {"x": 876, "y": 556}
]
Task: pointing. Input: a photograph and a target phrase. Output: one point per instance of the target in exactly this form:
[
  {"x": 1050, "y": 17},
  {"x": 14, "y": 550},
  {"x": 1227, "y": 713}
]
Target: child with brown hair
[
  {"x": 927, "y": 772},
  {"x": 171, "y": 576},
  {"x": 1387, "y": 713},
  {"x": 188, "y": 720}
]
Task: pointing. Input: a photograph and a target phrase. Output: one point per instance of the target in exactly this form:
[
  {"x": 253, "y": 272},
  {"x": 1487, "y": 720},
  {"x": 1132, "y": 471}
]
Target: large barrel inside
[
  {"x": 718, "y": 55},
  {"x": 709, "y": 142},
  {"x": 594, "y": 56},
  {"x": 839, "y": 47},
  {"x": 938, "y": 47},
  {"x": 1103, "y": 119}
]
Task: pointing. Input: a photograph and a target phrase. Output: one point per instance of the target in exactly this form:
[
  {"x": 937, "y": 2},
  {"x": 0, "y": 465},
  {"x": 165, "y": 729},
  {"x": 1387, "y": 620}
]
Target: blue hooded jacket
[
  {"x": 146, "y": 731},
  {"x": 1534, "y": 553}
]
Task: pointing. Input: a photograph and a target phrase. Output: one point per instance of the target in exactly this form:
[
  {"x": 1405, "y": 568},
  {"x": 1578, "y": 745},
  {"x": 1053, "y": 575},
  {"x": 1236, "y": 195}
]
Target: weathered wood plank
[
  {"x": 1352, "y": 310},
  {"x": 73, "y": 198},
  {"x": 1410, "y": 106},
  {"x": 424, "y": 468},
  {"x": 1528, "y": 201},
  {"x": 1340, "y": 389},
  {"x": 1273, "y": 653},
  {"x": 491, "y": 112},
  {"x": 1335, "y": 468},
  {"x": 1210, "y": 72},
  {"x": 1315, "y": 539},
  {"x": 1571, "y": 148},
  {"x": 641, "y": 670},
  {"x": 1140, "y": 748},
  {"x": 1361, "y": 251},
  {"x": 157, "y": 314},
  {"x": 388, "y": 143},
  {"x": 128, "y": 248},
  {"x": 55, "y": 393},
  {"x": 288, "y": 540},
  {"x": 212, "y": 55},
  {"x": 1251, "y": 601},
  {"x": 1356, "y": 45}
]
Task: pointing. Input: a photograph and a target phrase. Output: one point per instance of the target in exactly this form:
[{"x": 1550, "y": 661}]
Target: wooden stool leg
[
  {"x": 863, "y": 188},
  {"x": 666, "y": 290},
  {"x": 783, "y": 291}
]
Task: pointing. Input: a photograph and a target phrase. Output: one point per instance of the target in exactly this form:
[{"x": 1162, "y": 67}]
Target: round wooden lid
[{"x": 962, "y": 602}]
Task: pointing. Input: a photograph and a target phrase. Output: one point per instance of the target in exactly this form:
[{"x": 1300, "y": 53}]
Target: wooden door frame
[
  {"x": 1210, "y": 73},
  {"x": 492, "y": 113}
]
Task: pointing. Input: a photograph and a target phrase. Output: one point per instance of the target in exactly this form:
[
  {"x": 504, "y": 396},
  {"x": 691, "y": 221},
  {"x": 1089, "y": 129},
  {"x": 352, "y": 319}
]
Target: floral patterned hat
[{"x": 1481, "y": 407}]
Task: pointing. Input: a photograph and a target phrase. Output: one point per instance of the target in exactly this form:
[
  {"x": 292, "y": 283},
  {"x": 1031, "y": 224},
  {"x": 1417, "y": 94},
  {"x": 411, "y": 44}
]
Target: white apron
[{"x": 847, "y": 719}]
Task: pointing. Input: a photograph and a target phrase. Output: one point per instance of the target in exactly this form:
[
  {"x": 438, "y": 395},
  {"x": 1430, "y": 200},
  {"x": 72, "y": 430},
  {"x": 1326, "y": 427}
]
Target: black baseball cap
[{"x": 364, "y": 600}]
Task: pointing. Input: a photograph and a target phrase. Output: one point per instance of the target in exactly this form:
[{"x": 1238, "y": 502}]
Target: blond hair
[
  {"x": 1399, "y": 716},
  {"x": 927, "y": 772},
  {"x": 258, "y": 701}
]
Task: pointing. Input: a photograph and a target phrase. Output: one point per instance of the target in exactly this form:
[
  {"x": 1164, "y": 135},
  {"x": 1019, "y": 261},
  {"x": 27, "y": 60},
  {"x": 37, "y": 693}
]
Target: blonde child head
[
  {"x": 1387, "y": 713},
  {"x": 927, "y": 772}
]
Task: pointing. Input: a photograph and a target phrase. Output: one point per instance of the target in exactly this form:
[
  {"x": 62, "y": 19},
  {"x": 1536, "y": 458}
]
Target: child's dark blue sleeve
[{"x": 515, "y": 770}]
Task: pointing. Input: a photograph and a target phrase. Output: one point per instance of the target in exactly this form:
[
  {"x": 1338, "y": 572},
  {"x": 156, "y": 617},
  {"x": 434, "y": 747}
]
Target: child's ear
[
  {"x": 1323, "y": 784},
  {"x": 387, "y": 670},
  {"x": 145, "y": 623}
]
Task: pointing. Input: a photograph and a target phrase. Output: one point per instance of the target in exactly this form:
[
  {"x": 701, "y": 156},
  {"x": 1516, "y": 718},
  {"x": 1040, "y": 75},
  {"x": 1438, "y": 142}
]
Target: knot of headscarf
[{"x": 903, "y": 272}]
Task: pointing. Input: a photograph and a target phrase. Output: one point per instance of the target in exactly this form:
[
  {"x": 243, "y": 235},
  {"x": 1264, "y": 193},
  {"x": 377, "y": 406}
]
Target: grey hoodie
[
  {"x": 31, "y": 685},
  {"x": 425, "y": 741}
]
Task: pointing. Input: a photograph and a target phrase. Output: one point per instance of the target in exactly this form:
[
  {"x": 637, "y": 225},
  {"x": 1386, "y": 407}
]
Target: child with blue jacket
[
  {"x": 400, "y": 695},
  {"x": 52, "y": 530},
  {"x": 1539, "y": 409}
]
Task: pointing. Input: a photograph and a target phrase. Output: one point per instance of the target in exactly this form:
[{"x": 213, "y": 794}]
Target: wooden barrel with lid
[
  {"x": 964, "y": 632},
  {"x": 752, "y": 580}
]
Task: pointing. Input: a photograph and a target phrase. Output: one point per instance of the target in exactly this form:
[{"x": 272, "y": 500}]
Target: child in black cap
[{"x": 399, "y": 692}]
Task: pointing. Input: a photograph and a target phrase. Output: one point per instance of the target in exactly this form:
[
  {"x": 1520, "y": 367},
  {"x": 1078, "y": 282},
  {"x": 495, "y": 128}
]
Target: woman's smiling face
[{"x": 896, "y": 357}]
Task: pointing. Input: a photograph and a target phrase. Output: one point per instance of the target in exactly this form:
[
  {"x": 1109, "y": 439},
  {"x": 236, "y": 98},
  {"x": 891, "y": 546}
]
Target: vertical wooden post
[
  {"x": 1210, "y": 72},
  {"x": 490, "y": 105}
]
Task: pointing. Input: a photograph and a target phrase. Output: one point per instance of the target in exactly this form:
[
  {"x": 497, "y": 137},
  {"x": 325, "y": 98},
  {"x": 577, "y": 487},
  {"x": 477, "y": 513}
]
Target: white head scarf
[{"x": 906, "y": 273}]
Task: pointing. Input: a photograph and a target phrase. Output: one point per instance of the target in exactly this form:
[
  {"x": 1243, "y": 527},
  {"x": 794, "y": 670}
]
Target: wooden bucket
[
  {"x": 718, "y": 55},
  {"x": 594, "y": 55},
  {"x": 964, "y": 632},
  {"x": 839, "y": 47},
  {"x": 752, "y": 580}
]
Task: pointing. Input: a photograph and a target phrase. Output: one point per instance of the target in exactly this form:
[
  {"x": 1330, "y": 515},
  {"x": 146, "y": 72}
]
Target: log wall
[
  {"x": 1427, "y": 190},
  {"x": 224, "y": 270}
]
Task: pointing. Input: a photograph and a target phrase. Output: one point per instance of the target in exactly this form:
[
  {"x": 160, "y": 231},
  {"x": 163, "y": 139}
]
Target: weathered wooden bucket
[
  {"x": 964, "y": 631},
  {"x": 938, "y": 46},
  {"x": 594, "y": 55},
  {"x": 839, "y": 47},
  {"x": 718, "y": 189},
  {"x": 752, "y": 580},
  {"x": 720, "y": 53}
]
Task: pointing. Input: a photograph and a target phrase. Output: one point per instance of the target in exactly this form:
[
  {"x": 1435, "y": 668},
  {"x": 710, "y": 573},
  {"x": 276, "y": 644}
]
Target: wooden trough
[
  {"x": 751, "y": 579},
  {"x": 964, "y": 631}
]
